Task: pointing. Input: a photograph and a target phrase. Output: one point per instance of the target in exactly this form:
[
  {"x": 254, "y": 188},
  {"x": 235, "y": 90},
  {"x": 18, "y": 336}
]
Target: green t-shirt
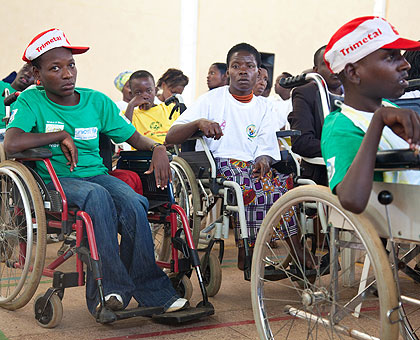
[
  {"x": 95, "y": 113},
  {"x": 4, "y": 85},
  {"x": 340, "y": 142}
]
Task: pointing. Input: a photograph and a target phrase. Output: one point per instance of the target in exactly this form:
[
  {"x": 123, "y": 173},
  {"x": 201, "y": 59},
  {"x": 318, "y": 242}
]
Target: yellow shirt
[{"x": 154, "y": 123}]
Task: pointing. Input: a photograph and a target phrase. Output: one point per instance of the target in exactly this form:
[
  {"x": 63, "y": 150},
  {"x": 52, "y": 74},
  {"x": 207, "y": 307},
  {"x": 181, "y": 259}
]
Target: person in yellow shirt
[{"x": 149, "y": 119}]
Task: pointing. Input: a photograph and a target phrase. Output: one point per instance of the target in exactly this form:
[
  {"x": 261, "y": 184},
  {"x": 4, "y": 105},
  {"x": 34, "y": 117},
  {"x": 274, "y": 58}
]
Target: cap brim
[
  {"x": 403, "y": 44},
  {"x": 77, "y": 49}
]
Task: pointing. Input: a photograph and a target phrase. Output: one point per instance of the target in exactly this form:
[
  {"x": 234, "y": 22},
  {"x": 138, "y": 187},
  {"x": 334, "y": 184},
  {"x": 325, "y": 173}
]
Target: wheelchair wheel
[
  {"x": 161, "y": 234},
  {"x": 183, "y": 286},
  {"x": 187, "y": 194},
  {"x": 409, "y": 280},
  {"x": 291, "y": 301},
  {"x": 22, "y": 235},
  {"x": 212, "y": 274},
  {"x": 51, "y": 316}
]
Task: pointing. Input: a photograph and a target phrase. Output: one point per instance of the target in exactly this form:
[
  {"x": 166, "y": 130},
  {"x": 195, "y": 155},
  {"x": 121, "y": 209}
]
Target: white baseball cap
[
  {"x": 359, "y": 38},
  {"x": 48, "y": 40}
]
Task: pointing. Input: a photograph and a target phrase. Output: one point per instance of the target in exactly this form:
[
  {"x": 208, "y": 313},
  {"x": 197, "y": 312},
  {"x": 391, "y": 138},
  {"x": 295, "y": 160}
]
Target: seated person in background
[
  {"x": 172, "y": 82},
  {"x": 307, "y": 117},
  {"x": 149, "y": 119},
  {"x": 282, "y": 102},
  {"x": 121, "y": 83},
  {"x": 216, "y": 76},
  {"x": 413, "y": 57},
  {"x": 24, "y": 78},
  {"x": 267, "y": 90},
  {"x": 67, "y": 120},
  {"x": 241, "y": 136},
  {"x": 353, "y": 134},
  {"x": 262, "y": 80}
]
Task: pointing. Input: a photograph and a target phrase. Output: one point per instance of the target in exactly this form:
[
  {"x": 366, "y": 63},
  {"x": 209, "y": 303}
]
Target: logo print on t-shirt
[
  {"x": 155, "y": 126},
  {"x": 86, "y": 133},
  {"x": 330, "y": 168},
  {"x": 251, "y": 131}
]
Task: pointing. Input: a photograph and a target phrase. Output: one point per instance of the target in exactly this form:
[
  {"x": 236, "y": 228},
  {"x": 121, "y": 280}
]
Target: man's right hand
[
  {"x": 141, "y": 102},
  {"x": 404, "y": 122},
  {"x": 69, "y": 150},
  {"x": 210, "y": 128}
]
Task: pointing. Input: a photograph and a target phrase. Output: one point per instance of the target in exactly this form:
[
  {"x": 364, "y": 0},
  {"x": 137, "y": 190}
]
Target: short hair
[
  {"x": 173, "y": 77},
  {"x": 37, "y": 62},
  {"x": 244, "y": 47},
  {"x": 264, "y": 67},
  {"x": 222, "y": 67},
  {"x": 413, "y": 57},
  {"x": 140, "y": 74},
  {"x": 317, "y": 54}
]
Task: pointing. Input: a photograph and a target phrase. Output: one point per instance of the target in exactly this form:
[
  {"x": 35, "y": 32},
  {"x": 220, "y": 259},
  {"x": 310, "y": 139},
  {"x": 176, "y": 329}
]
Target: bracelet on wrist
[{"x": 152, "y": 148}]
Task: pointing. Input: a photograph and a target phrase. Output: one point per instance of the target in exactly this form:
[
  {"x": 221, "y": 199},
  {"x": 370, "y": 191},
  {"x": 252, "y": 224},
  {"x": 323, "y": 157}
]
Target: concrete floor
[{"x": 233, "y": 317}]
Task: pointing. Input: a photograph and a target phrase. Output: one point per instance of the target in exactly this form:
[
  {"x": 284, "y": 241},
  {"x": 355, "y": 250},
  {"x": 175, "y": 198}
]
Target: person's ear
[
  {"x": 351, "y": 72},
  {"x": 36, "y": 74},
  {"x": 315, "y": 69}
]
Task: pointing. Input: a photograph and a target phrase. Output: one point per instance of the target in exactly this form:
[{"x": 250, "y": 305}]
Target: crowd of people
[{"x": 362, "y": 63}]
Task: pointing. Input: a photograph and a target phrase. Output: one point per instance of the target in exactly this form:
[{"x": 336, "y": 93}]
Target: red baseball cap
[
  {"x": 359, "y": 38},
  {"x": 48, "y": 40}
]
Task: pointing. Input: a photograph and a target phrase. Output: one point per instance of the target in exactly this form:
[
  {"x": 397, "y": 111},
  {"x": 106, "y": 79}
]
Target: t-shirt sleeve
[
  {"x": 340, "y": 143},
  {"x": 22, "y": 116},
  {"x": 115, "y": 124},
  {"x": 267, "y": 139},
  {"x": 196, "y": 111}
]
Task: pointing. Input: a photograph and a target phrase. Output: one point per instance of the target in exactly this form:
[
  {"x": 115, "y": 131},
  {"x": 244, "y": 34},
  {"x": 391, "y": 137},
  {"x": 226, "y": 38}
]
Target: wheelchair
[
  {"x": 358, "y": 288},
  {"x": 29, "y": 211}
]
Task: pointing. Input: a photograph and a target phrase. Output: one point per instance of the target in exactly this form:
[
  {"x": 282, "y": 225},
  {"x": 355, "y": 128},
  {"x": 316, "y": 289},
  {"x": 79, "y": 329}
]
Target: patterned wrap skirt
[{"x": 259, "y": 196}]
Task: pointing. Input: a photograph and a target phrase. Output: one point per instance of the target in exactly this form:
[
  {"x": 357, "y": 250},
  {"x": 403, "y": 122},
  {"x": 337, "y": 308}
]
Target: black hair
[
  {"x": 413, "y": 57},
  {"x": 173, "y": 77},
  {"x": 317, "y": 54},
  {"x": 140, "y": 74},
  {"x": 37, "y": 62},
  {"x": 221, "y": 67},
  {"x": 264, "y": 67},
  {"x": 244, "y": 47}
]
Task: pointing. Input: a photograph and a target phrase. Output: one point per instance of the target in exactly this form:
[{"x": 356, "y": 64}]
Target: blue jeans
[{"x": 128, "y": 269}]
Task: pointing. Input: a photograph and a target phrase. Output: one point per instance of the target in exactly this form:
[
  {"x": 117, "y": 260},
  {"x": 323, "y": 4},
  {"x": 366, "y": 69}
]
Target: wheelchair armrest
[
  {"x": 32, "y": 153},
  {"x": 288, "y": 133},
  {"x": 139, "y": 154},
  {"x": 387, "y": 160},
  {"x": 198, "y": 134}
]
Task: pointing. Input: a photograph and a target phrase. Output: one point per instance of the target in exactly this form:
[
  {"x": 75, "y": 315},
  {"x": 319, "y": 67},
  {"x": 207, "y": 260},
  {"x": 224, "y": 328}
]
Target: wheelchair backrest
[{"x": 409, "y": 103}]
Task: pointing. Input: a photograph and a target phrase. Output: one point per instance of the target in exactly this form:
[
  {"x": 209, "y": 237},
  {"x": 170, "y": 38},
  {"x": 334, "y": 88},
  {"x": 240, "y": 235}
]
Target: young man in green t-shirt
[
  {"x": 365, "y": 53},
  {"x": 24, "y": 79},
  {"x": 67, "y": 120}
]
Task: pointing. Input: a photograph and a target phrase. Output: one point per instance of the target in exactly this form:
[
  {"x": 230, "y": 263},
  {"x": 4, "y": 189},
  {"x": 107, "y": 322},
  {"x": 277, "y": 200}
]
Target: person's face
[
  {"x": 261, "y": 84},
  {"x": 144, "y": 88},
  {"x": 243, "y": 72},
  {"x": 280, "y": 90},
  {"x": 126, "y": 92},
  {"x": 170, "y": 91},
  {"x": 57, "y": 74},
  {"x": 331, "y": 78},
  {"x": 24, "y": 78},
  {"x": 215, "y": 78},
  {"x": 382, "y": 74}
]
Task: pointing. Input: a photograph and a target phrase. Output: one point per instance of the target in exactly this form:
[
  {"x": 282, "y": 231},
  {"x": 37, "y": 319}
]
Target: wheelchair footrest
[
  {"x": 140, "y": 311},
  {"x": 185, "y": 315}
]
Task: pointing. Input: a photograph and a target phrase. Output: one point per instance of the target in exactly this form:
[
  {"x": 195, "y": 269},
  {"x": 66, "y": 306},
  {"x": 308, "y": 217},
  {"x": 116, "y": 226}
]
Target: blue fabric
[{"x": 128, "y": 269}]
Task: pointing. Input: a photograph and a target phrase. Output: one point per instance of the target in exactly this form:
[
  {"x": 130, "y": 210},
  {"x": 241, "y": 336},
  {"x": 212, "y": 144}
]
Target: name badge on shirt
[{"x": 86, "y": 133}]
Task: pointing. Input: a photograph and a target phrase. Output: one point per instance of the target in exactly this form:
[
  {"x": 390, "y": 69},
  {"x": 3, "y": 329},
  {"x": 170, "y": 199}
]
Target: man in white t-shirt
[{"x": 239, "y": 130}]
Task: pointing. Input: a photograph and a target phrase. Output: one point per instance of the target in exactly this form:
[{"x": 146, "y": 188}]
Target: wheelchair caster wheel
[
  {"x": 183, "y": 287},
  {"x": 51, "y": 315},
  {"x": 212, "y": 274}
]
